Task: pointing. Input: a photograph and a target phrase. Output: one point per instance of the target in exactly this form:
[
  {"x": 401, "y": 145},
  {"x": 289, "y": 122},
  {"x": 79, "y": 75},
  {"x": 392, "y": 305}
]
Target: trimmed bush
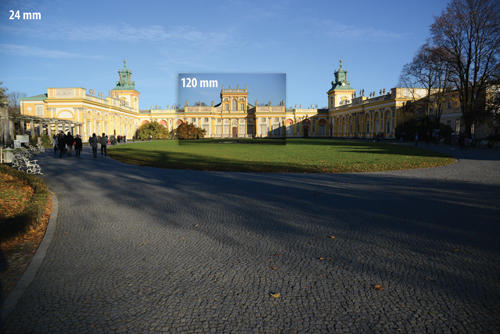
[{"x": 33, "y": 212}]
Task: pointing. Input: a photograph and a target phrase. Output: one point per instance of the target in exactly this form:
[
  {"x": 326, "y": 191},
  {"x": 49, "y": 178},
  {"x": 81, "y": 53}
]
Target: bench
[
  {"x": 23, "y": 164},
  {"x": 483, "y": 144}
]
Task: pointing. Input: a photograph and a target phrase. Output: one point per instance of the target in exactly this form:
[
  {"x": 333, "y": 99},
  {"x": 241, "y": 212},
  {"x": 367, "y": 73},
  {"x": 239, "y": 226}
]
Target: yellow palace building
[
  {"x": 346, "y": 116},
  {"x": 84, "y": 112}
]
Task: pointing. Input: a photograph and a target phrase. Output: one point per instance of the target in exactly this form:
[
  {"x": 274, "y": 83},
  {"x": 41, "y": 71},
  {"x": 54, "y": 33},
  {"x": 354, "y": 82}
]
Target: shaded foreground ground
[
  {"x": 152, "y": 250},
  {"x": 262, "y": 155}
]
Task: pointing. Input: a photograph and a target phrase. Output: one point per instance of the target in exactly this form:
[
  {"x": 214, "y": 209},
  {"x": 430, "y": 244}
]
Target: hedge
[{"x": 33, "y": 212}]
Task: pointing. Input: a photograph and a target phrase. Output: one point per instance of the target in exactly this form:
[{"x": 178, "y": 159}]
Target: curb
[{"x": 28, "y": 276}]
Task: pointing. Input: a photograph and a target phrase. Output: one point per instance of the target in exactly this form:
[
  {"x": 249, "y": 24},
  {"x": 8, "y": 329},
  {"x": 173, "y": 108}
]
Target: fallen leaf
[
  {"x": 278, "y": 255},
  {"x": 378, "y": 287},
  {"x": 331, "y": 237},
  {"x": 275, "y": 295},
  {"x": 181, "y": 238},
  {"x": 430, "y": 279},
  {"x": 273, "y": 268}
]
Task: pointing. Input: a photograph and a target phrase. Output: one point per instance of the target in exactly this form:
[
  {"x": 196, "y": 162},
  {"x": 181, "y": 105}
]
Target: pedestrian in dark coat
[
  {"x": 61, "y": 141},
  {"x": 78, "y": 145},
  {"x": 69, "y": 141},
  {"x": 93, "y": 143}
]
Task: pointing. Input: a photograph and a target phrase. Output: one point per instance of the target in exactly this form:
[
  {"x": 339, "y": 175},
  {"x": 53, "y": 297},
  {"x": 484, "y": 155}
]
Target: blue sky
[
  {"x": 261, "y": 87},
  {"x": 83, "y": 43}
]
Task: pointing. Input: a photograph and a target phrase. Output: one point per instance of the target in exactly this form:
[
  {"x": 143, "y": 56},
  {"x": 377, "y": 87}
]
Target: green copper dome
[
  {"x": 340, "y": 82},
  {"x": 125, "y": 82}
]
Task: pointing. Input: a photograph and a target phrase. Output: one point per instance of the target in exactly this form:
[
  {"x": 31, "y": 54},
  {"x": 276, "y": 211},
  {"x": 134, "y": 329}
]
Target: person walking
[
  {"x": 54, "y": 143},
  {"x": 104, "y": 143},
  {"x": 416, "y": 138},
  {"x": 61, "y": 141},
  {"x": 93, "y": 143},
  {"x": 78, "y": 145},
  {"x": 69, "y": 141}
]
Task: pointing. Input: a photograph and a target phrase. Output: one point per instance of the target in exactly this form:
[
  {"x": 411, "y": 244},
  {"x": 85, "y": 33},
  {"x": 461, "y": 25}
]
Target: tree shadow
[{"x": 399, "y": 230}]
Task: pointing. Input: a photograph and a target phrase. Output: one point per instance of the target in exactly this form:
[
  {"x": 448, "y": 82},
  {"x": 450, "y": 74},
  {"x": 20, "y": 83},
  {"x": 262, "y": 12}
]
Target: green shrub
[
  {"x": 154, "y": 129},
  {"x": 45, "y": 140},
  {"x": 33, "y": 212}
]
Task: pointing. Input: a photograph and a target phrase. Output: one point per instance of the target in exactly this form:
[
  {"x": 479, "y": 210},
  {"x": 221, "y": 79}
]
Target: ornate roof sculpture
[
  {"x": 125, "y": 82},
  {"x": 340, "y": 82}
]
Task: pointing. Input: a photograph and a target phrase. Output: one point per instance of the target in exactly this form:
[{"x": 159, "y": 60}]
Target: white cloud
[
  {"x": 31, "y": 51},
  {"x": 340, "y": 31},
  {"x": 118, "y": 32}
]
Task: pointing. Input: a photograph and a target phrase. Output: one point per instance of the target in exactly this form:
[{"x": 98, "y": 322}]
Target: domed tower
[
  {"x": 125, "y": 88},
  {"x": 341, "y": 91}
]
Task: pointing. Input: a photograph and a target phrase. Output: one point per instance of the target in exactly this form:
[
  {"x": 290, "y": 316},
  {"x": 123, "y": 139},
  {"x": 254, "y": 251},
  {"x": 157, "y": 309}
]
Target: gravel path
[{"x": 144, "y": 250}]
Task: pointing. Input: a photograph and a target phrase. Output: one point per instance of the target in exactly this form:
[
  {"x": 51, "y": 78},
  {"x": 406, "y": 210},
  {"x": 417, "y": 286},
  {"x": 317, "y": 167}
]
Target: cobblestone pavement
[{"x": 144, "y": 250}]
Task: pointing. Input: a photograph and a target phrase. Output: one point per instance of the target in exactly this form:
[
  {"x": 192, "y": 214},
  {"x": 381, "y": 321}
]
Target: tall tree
[
  {"x": 469, "y": 33},
  {"x": 429, "y": 70}
]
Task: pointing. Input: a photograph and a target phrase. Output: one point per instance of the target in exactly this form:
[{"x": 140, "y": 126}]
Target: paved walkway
[{"x": 144, "y": 250}]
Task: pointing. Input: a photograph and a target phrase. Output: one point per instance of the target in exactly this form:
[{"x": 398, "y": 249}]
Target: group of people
[
  {"x": 102, "y": 140},
  {"x": 65, "y": 143}
]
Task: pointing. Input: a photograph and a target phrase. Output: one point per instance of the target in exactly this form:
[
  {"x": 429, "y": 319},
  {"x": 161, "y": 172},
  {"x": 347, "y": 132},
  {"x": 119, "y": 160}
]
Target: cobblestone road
[{"x": 144, "y": 250}]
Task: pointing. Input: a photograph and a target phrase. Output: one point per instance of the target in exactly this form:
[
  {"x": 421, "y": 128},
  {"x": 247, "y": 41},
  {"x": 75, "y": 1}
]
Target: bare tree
[
  {"x": 14, "y": 103},
  {"x": 429, "y": 70},
  {"x": 469, "y": 33}
]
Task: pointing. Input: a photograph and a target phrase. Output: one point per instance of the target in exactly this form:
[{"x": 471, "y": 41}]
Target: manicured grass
[{"x": 297, "y": 156}]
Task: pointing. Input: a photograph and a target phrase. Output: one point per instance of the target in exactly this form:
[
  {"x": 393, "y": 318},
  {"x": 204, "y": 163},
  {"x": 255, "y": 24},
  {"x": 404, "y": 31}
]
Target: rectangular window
[
  {"x": 449, "y": 104},
  {"x": 39, "y": 110},
  {"x": 193, "y": 120},
  {"x": 226, "y": 107},
  {"x": 206, "y": 119},
  {"x": 276, "y": 119},
  {"x": 322, "y": 129},
  {"x": 263, "y": 120},
  {"x": 457, "y": 126},
  {"x": 242, "y": 106},
  {"x": 219, "y": 120}
]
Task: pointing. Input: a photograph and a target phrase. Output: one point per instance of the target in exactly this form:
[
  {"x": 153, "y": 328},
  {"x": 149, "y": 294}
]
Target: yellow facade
[{"x": 347, "y": 115}]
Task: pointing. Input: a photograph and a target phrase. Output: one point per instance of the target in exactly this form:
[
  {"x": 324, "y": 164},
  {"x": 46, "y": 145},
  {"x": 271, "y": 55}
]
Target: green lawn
[{"x": 281, "y": 156}]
